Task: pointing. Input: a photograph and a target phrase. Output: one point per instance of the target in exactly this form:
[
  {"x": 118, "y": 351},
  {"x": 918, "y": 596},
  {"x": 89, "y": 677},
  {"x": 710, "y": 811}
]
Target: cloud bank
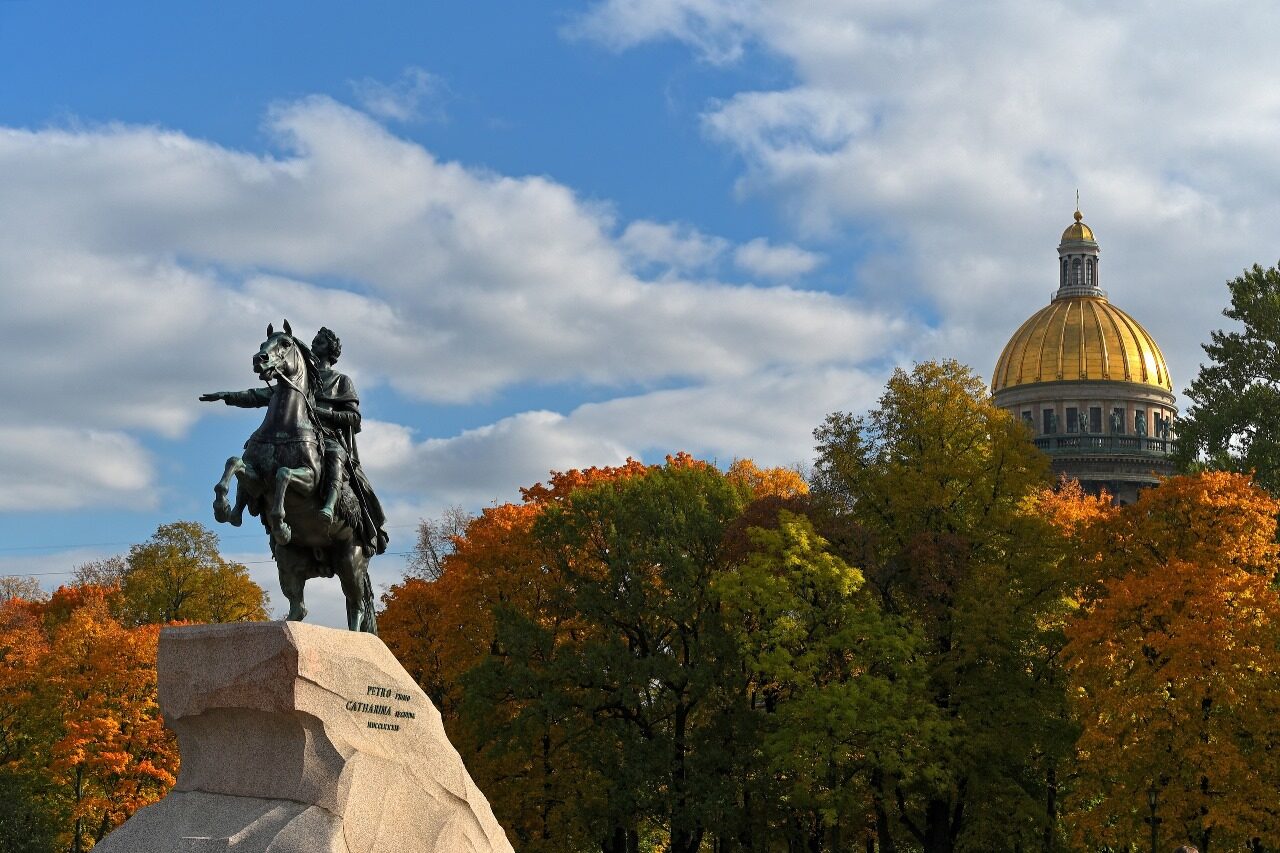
[
  {"x": 950, "y": 139},
  {"x": 140, "y": 265}
]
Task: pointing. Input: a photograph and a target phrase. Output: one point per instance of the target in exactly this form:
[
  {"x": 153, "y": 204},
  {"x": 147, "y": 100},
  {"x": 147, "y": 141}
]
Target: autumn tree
[
  {"x": 766, "y": 482},
  {"x": 439, "y": 621},
  {"x": 1231, "y": 422},
  {"x": 178, "y": 575},
  {"x": 653, "y": 669},
  {"x": 81, "y": 740},
  {"x": 495, "y": 637},
  {"x": 928, "y": 495},
  {"x": 1176, "y": 670},
  {"x": 114, "y": 755},
  {"x": 31, "y": 811},
  {"x": 444, "y": 628}
]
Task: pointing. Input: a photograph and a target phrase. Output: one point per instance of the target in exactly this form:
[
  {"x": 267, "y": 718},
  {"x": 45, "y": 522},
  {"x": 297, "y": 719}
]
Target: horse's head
[{"x": 281, "y": 355}]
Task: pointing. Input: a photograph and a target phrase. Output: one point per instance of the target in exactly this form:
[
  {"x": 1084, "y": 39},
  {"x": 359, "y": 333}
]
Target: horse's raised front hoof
[
  {"x": 296, "y": 613},
  {"x": 222, "y": 510},
  {"x": 236, "y": 519},
  {"x": 282, "y": 534}
]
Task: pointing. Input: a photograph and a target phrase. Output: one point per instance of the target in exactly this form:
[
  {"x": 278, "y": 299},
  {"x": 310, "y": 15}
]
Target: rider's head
[{"x": 326, "y": 345}]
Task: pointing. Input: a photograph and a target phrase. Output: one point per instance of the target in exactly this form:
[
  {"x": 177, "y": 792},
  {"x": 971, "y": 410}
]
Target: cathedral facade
[{"x": 1089, "y": 381}]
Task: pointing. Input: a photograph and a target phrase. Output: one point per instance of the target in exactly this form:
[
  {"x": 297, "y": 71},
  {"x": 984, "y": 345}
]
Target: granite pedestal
[{"x": 302, "y": 739}]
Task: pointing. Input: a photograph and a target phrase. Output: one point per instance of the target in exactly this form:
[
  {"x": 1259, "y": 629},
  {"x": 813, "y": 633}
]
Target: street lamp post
[{"x": 1152, "y": 802}]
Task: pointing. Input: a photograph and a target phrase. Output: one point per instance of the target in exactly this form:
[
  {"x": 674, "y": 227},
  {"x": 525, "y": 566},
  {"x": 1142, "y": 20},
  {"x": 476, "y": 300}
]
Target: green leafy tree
[
  {"x": 929, "y": 494},
  {"x": 840, "y": 683},
  {"x": 647, "y": 685},
  {"x": 30, "y": 819},
  {"x": 179, "y": 575},
  {"x": 1231, "y": 423}
]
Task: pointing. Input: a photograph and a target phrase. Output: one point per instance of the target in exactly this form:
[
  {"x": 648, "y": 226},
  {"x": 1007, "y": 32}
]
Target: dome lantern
[{"x": 1078, "y": 261}]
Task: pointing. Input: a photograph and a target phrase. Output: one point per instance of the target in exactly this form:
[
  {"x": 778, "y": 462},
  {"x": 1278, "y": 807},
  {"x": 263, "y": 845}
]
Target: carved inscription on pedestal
[{"x": 386, "y": 710}]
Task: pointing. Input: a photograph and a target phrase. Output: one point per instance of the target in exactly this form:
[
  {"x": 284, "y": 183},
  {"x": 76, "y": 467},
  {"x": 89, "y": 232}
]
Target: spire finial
[{"x": 1079, "y": 215}]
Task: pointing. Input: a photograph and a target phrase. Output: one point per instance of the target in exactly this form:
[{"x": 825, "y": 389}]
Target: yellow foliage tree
[
  {"x": 178, "y": 575},
  {"x": 767, "y": 482}
]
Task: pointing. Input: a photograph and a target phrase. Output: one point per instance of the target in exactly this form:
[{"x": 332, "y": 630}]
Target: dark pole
[{"x": 1153, "y": 820}]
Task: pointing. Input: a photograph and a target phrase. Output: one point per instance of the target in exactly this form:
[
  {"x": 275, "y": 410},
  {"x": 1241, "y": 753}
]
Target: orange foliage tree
[
  {"x": 80, "y": 717},
  {"x": 441, "y": 629},
  {"x": 31, "y": 812},
  {"x": 1176, "y": 669}
]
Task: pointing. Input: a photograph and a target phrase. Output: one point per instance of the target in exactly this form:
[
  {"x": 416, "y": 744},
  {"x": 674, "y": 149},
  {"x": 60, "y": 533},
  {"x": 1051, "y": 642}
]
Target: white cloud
[
  {"x": 953, "y": 137},
  {"x": 140, "y": 266},
  {"x": 760, "y": 257},
  {"x": 673, "y": 246},
  {"x": 413, "y": 96},
  {"x": 768, "y": 416},
  {"x": 470, "y": 282},
  {"x": 716, "y": 27},
  {"x": 61, "y": 468}
]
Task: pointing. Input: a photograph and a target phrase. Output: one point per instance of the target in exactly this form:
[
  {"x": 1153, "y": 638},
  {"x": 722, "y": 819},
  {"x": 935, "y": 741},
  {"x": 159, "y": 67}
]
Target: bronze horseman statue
[{"x": 300, "y": 473}]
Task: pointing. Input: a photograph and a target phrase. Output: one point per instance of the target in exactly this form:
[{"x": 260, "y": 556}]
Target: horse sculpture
[{"x": 279, "y": 480}]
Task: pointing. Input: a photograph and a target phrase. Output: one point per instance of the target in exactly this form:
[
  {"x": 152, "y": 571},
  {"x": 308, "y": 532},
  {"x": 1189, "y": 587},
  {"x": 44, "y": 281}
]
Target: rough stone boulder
[{"x": 302, "y": 739}]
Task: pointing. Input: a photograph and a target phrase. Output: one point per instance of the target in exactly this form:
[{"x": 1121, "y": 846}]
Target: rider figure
[{"x": 338, "y": 408}]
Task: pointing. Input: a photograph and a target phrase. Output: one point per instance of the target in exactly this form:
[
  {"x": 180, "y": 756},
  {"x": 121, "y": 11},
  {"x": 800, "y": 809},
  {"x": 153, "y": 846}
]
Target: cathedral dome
[
  {"x": 1081, "y": 338},
  {"x": 1088, "y": 382}
]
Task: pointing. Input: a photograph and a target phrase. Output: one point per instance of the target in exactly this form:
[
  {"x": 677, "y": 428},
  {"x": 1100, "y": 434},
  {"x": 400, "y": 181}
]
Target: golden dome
[
  {"x": 1077, "y": 231},
  {"x": 1081, "y": 338}
]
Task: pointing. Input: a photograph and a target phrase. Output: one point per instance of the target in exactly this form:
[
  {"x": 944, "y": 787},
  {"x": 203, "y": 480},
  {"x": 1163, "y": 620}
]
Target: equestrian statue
[{"x": 301, "y": 474}]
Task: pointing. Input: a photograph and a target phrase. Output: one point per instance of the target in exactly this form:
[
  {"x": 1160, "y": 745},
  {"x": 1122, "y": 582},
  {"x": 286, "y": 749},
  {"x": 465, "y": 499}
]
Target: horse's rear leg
[
  {"x": 222, "y": 510},
  {"x": 292, "y": 583},
  {"x": 305, "y": 480},
  {"x": 353, "y": 571}
]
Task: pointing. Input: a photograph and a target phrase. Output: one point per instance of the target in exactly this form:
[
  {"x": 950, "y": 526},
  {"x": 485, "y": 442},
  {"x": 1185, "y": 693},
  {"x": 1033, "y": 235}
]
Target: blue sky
[{"x": 557, "y": 234}]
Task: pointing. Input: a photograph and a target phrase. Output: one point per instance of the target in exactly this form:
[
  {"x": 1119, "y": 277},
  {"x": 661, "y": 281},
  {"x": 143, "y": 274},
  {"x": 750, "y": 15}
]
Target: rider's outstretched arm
[{"x": 248, "y": 399}]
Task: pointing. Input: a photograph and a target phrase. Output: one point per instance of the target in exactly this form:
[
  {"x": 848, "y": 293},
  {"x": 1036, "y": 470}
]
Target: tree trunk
[
  {"x": 883, "y": 834},
  {"x": 937, "y": 827},
  {"x": 686, "y": 835},
  {"x": 546, "y": 782},
  {"x": 77, "y": 842},
  {"x": 1050, "y": 808},
  {"x": 622, "y": 840},
  {"x": 746, "y": 831}
]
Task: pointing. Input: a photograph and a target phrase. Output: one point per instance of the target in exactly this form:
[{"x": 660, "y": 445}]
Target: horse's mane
[{"x": 313, "y": 367}]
